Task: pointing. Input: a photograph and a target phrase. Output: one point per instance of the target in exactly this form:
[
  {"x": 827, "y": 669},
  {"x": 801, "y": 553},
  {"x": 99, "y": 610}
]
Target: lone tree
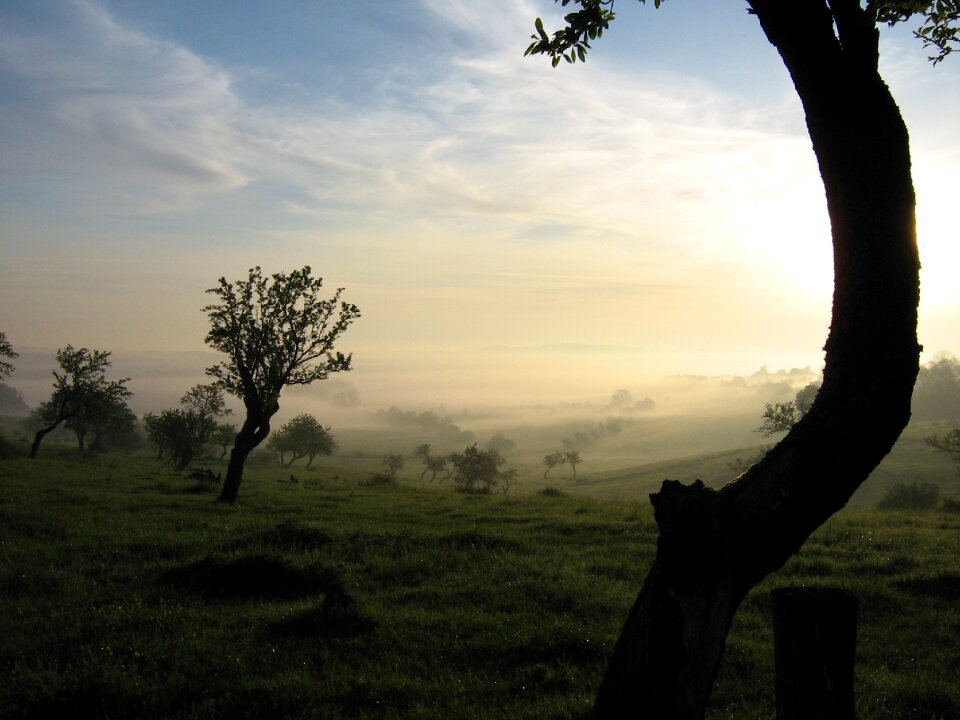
[
  {"x": 302, "y": 436},
  {"x": 275, "y": 332},
  {"x": 6, "y": 351},
  {"x": 80, "y": 387},
  {"x": 714, "y": 546}
]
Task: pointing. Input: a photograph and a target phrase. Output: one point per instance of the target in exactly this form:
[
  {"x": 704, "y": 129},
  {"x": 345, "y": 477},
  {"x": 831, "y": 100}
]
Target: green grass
[{"x": 126, "y": 591}]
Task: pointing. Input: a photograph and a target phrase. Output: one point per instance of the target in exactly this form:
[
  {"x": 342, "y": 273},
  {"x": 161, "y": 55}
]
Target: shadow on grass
[
  {"x": 945, "y": 586},
  {"x": 288, "y": 536},
  {"x": 335, "y": 617},
  {"x": 251, "y": 576}
]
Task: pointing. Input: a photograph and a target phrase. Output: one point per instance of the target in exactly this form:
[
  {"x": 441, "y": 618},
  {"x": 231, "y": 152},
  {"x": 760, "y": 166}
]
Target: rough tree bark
[
  {"x": 714, "y": 546},
  {"x": 255, "y": 429}
]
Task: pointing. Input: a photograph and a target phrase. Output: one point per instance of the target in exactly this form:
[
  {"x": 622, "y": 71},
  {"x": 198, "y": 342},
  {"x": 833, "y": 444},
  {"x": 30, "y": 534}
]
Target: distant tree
[
  {"x": 572, "y": 458},
  {"x": 949, "y": 444},
  {"x": 780, "y": 417},
  {"x": 937, "y": 393},
  {"x": 12, "y": 402},
  {"x": 302, "y": 436},
  {"x": 913, "y": 496},
  {"x": 275, "y": 332},
  {"x": 422, "y": 451},
  {"x": 501, "y": 443},
  {"x": 393, "y": 463},
  {"x": 475, "y": 470},
  {"x": 6, "y": 351},
  {"x": 80, "y": 387},
  {"x": 106, "y": 417},
  {"x": 508, "y": 479},
  {"x": 438, "y": 463},
  {"x": 119, "y": 430},
  {"x": 180, "y": 435},
  {"x": 621, "y": 399},
  {"x": 223, "y": 434},
  {"x": 551, "y": 460}
]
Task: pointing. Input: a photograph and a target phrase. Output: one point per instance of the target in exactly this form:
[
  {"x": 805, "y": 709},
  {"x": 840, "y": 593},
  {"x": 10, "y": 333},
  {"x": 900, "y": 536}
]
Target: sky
[{"x": 508, "y": 230}]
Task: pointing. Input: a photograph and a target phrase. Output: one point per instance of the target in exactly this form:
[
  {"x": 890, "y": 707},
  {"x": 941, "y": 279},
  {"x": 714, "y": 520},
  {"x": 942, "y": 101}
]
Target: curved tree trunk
[
  {"x": 255, "y": 429},
  {"x": 714, "y": 546},
  {"x": 39, "y": 436}
]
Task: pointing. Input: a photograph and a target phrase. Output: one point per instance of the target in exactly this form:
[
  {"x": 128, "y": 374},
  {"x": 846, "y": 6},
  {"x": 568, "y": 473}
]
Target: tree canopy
[
  {"x": 80, "y": 388},
  {"x": 6, "y": 351},
  {"x": 302, "y": 436},
  {"x": 938, "y": 29}
]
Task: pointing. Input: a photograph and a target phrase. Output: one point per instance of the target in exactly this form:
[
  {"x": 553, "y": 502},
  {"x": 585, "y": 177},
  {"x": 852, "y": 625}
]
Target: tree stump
[{"x": 815, "y": 637}]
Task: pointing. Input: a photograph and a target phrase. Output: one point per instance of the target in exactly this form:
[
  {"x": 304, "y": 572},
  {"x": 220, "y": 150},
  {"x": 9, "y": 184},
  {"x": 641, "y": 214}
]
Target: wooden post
[{"x": 815, "y": 637}]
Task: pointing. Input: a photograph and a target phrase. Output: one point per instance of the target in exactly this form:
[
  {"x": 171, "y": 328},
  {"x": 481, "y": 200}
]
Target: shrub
[
  {"x": 379, "y": 479},
  {"x": 915, "y": 496},
  {"x": 552, "y": 492}
]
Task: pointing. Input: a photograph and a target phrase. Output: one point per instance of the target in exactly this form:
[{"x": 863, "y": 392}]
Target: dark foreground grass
[{"x": 126, "y": 591}]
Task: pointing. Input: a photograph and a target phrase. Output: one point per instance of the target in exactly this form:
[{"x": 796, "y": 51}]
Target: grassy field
[{"x": 125, "y": 591}]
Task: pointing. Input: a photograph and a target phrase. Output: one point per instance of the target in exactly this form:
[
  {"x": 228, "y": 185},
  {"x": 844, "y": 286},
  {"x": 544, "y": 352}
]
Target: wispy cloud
[{"x": 138, "y": 123}]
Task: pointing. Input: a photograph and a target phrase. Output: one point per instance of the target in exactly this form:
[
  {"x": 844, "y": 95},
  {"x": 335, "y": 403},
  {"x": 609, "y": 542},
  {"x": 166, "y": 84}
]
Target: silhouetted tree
[
  {"x": 551, "y": 460},
  {"x": 276, "y": 332},
  {"x": 780, "y": 417},
  {"x": 949, "y": 444},
  {"x": 508, "y": 479},
  {"x": 572, "y": 458},
  {"x": 302, "y": 436},
  {"x": 422, "y": 451},
  {"x": 103, "y": 415},
  {"x": 79, "y": 386},
  {"x": 223, "y": 434},
  {"x": 394, "y": 464},
  {"x": 501, "y": 443},
  {"x": 185, "y": 432},
  {"x": 714, "y": 546},
  {"x": 6, "y": 351},
  {"x": 475, "y": 470}
]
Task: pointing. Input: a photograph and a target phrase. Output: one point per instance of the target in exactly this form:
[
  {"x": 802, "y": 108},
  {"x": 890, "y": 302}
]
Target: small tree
[
  {"x": 6, "y": 351},
  {"x": 394, "y": 464},
  {"x": 422, "y": 451},
  {"x": 551, "y": 460},
  {"x": 435, "y": 464},
  {"x": 79, "y": 386},
  {"x": 104, "y": 416},
  {"x": 276, "y": 332},
  {"x": 572, "y": 458},
  {"x": 475, "y": 470},
  {"x": 222, "y": 435},
  {"x": 303, "y": 436},
  {"x": 780, "y": 417},
  {"x": 508, "y": 479},
  {"x": 185, "y": 432},
  {"x": 501, "y": 443},
  {"x": 949, "y": 444}
]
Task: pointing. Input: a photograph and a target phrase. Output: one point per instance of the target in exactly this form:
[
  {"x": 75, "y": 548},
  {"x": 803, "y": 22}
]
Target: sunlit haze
[{"x": 512, "y": 233}]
